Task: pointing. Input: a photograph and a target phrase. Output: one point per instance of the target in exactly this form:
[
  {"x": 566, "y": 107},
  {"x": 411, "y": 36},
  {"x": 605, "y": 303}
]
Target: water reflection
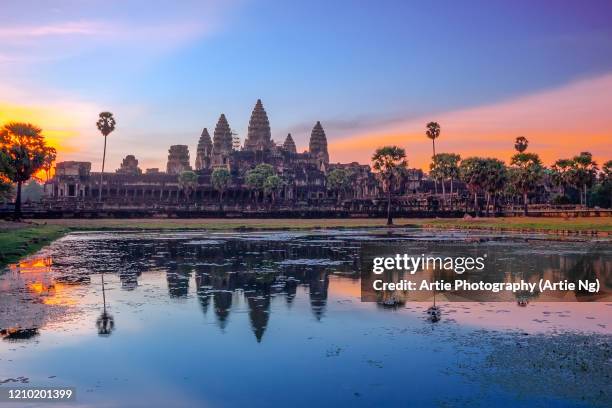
[
  {"x": 251, "y": 269},
  {"x": 18, "y": 334},
  {"x": 106, "y": 322},
  {"x": 243, "y": 305}
]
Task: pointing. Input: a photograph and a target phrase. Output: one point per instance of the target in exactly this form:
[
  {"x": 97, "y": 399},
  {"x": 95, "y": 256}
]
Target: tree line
[{"x": 493, "y": 179}]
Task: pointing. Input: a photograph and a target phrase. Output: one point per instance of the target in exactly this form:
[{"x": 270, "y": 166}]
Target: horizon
[{"x": 167, "y": 73}]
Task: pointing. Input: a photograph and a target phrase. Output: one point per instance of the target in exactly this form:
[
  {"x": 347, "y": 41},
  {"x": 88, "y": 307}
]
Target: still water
[{"x": 275, "y": 318}]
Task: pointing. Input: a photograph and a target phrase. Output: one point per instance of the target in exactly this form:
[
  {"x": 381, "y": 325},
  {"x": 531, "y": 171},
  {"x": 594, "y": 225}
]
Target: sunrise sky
[{"x": 373, "y": 73}]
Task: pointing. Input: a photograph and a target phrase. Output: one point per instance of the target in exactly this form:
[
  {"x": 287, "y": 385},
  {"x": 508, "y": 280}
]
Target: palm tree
[
  {"x": 22, "y": 153},
  {"x": 605, "y": 181},
  {"x": 562, "y": 172},
  {"x": 585, "y": 173},
  {"x": 606, "y": 171},
  {"x": 49, "y": 160},
  {"x": 445, "y": 166},
  {"x": 436, "y": 173},
  {"x": 221, "y": 179},
  {"x": 389, "y": 162},
  {"x": 526, "y": 172},
  {"x": 452, "y": 172},
  {"x": 520, "y": 144},
  {"x": 106, "y": 124},
  {"x": 473, "y": 172},
  {"x": 494, "y": 181},
  {"x": 433, "y": 132}
]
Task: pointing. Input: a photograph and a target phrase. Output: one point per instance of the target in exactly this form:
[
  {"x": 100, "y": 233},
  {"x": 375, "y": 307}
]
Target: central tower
[{"x": 258, "y": 136}]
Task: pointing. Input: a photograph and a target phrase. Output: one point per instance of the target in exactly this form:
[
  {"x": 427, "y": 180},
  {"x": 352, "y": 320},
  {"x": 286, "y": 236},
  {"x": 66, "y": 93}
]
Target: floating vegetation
[{"x": 18, "y": 334}]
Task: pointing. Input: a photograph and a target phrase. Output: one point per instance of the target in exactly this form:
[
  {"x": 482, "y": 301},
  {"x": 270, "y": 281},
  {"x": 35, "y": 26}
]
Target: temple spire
[
  {"x": 318, "y": 145},
  {"x": 289, "y": 144},
  {"x": 259, "y": 135},
  {"x": 222, "y": 141},
  {"x": 204, "y": 151}
]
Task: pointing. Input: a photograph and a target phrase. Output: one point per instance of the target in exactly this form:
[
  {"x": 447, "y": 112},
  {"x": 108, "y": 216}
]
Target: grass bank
[
  {"x": 588, "y": 225},
  {"x": 578, "y": 225},
  {"x": 20, "y": 239},
  {"x": 220, "y": 223}
]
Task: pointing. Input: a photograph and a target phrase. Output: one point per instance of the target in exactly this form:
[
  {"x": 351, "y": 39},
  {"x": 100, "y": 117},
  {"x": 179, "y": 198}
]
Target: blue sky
[{"x": 170, "y": 69}]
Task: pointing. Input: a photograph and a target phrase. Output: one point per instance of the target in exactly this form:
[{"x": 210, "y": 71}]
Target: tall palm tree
[
  {"x": 520, "y": 144},
  {"x": 389, "y": 162},
  {"x": 106, "y": 124},
  {"x": 433, "y": 132},
  {"x": 105, "y": 323}
]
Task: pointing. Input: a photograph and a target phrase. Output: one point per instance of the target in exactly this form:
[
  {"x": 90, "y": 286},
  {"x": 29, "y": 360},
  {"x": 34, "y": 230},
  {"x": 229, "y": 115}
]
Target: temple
[{"x": 303, "y": 175}]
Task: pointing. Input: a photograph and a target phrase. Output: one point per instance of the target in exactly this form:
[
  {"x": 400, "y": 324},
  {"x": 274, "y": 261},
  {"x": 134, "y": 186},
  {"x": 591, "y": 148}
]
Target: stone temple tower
[
  {"x": 204, "y": 152},
  {"x": 178, "y": 159},
  {"x": 318, "y": 146},
  {"x": 129, "y": 166},
  {"x": 258, "y": 136},
  {"x": 222, "y": 142},
  {"x": 289, "y": 144}
]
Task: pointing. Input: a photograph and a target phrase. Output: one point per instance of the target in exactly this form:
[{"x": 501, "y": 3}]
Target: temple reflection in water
[{"x": 251, "y": 272}]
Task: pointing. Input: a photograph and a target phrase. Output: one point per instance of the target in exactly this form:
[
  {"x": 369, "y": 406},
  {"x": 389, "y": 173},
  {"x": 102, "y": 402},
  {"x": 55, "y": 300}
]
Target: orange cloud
[{"x": 558, "y": 123}]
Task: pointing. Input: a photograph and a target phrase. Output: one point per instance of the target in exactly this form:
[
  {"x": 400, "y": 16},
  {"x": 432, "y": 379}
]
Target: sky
[{"x": 373, "y": 73}]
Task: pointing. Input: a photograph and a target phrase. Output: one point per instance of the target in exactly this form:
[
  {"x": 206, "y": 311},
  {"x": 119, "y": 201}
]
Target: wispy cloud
[
  {"x": 68, "y": 28},
  {"x": 136, "y": 32}
]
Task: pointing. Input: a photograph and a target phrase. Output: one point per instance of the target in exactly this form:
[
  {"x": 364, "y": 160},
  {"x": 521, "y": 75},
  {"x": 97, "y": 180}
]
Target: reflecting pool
[{"x": 230, "y": 319}]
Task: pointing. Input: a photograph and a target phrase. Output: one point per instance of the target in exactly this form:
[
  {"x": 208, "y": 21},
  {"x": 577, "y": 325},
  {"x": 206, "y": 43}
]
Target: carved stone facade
[
  {"x": 178, "y": 159},
  {"x": 70, "y": 179}
]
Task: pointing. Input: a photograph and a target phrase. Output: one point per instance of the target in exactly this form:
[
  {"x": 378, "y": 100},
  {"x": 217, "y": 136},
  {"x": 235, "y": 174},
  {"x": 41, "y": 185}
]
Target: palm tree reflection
[{"x": 106, "y": 322}]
